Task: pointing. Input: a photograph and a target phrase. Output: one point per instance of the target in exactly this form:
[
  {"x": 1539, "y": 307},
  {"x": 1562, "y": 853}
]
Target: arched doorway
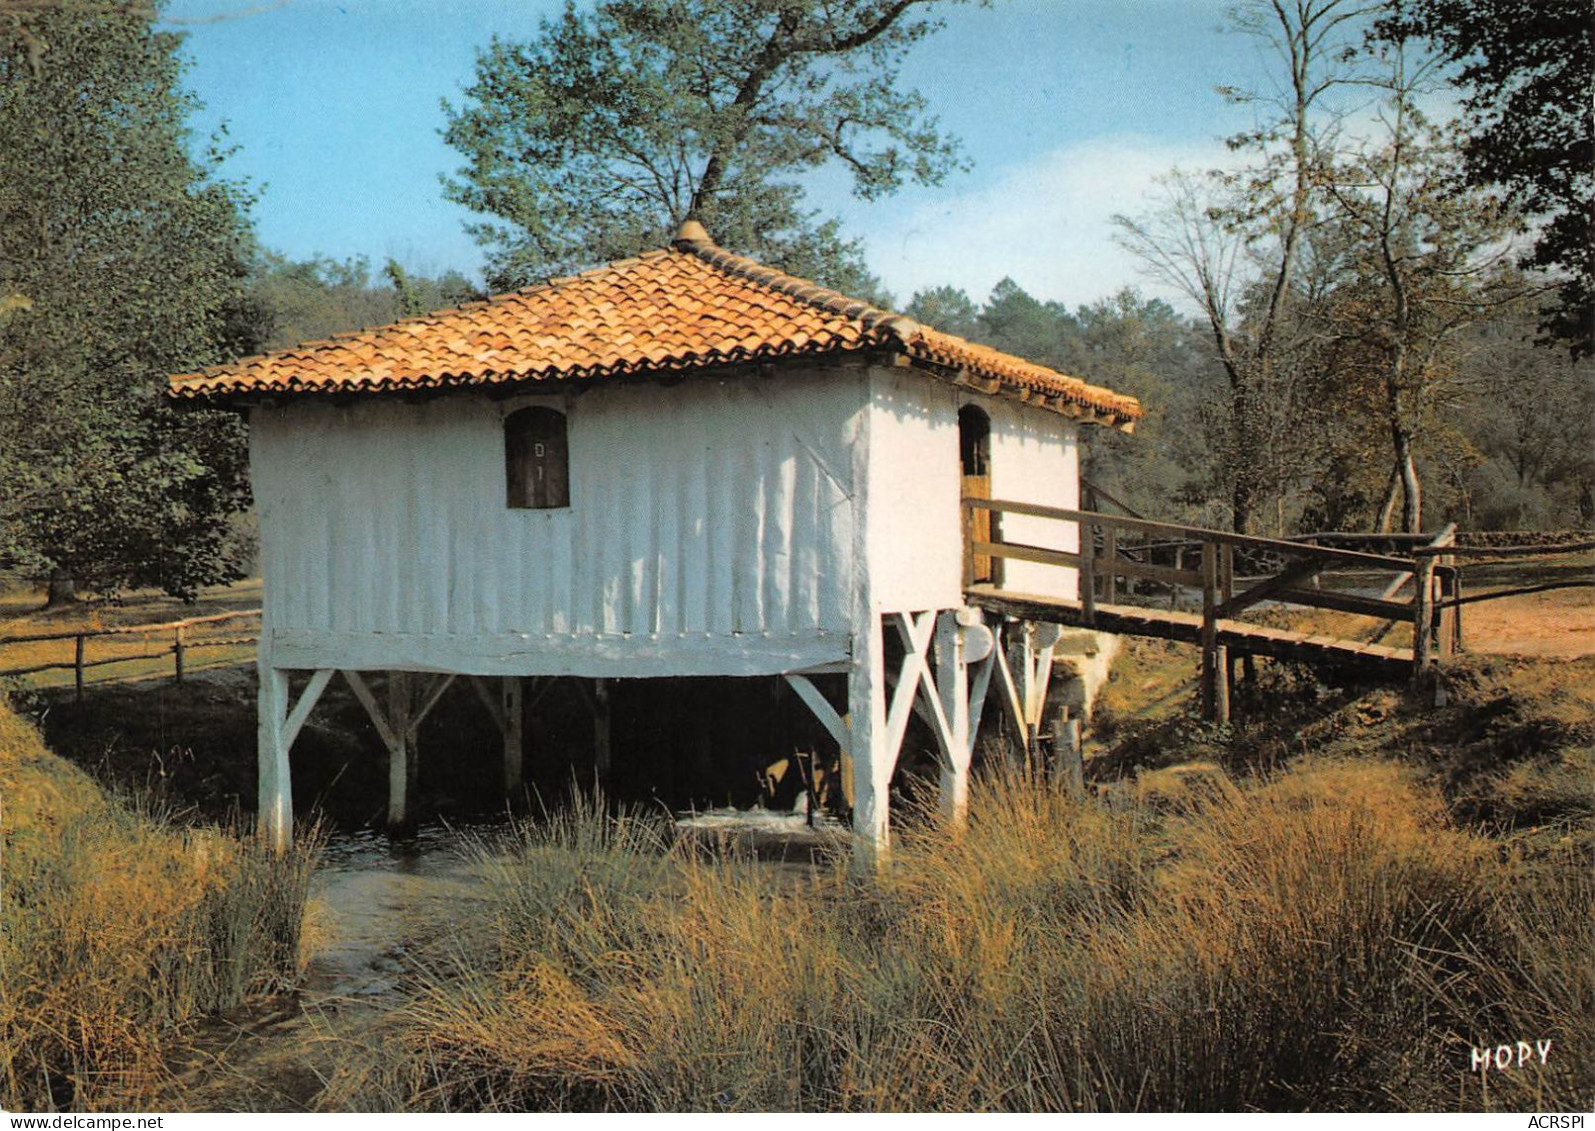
[{"x": 974, "y": 454}]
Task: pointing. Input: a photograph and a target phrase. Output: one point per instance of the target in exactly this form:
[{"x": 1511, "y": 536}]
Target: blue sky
[{"x": 1066, "y": 108}]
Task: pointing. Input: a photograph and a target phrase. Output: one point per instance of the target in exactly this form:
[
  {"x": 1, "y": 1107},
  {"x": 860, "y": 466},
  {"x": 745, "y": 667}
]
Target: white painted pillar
[
  {"x": 1021, "y": 670},
  {"x": 952, "y": 685},
  {"x": 873, "y": 759},
  {"x": 399, "y": 752},
  {"x": 274, "y": 815},
  {"x": 512, "y": 692}
]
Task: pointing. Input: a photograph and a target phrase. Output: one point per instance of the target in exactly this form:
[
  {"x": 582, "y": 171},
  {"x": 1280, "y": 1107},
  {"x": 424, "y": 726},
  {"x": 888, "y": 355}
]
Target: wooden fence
[
  {"x": 183, "y": 641},
  {"x": 1233, "y": 573}
]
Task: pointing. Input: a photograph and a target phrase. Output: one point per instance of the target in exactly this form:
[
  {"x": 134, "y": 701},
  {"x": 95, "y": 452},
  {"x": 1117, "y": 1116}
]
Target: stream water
[{"x": 374, "y": 896}]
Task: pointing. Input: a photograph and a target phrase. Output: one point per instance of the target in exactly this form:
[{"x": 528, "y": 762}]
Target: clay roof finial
[{"x": 693, "y": 232}]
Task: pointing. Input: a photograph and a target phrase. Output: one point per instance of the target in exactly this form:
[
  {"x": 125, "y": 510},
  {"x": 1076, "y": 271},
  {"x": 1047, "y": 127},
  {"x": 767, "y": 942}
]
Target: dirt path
[{"x": 1558, "y": 623}]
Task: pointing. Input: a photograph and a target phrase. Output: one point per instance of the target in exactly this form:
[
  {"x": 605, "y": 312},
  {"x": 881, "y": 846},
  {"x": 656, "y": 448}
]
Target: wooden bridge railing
[
  {"x": 182, "y": 643},
  {"x": 1285, "y": 572}
]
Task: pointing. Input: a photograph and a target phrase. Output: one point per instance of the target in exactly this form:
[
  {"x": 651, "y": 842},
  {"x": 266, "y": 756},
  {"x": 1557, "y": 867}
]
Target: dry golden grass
[
  {"x": 117, "y": 930},
  {"x": 1326, "y": 939}
]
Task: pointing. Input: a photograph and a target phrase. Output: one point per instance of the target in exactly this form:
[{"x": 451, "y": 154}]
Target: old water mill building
[{"x": 681, "y": 464}]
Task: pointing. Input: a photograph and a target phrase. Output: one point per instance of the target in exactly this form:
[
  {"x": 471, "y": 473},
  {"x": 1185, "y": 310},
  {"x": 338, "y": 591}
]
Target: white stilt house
[{"x": 679, "y": 464}]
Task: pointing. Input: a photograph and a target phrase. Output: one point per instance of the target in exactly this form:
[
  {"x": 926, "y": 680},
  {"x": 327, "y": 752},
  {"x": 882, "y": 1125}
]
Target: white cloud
[{"x": 1046, "y": 223}]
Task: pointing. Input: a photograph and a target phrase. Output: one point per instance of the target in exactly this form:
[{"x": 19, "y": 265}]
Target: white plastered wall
[
  {"x": 1035, "y": 458},
  {"x": 914, "y": 524}
]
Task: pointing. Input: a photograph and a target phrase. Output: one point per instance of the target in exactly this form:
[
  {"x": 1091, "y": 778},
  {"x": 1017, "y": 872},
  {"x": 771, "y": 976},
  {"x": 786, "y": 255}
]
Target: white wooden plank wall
[
  {"x": 915, "y": 537},
  {"x": 710, "y": 510}
]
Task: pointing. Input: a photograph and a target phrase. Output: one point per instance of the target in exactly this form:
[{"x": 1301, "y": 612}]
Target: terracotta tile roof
[{"x": 688, "y": 306}]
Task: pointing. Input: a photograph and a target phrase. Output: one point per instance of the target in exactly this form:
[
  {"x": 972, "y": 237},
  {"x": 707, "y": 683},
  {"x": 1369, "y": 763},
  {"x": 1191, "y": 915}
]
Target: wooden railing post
[
  {"x": 77, "y": 667},
  {"x": 1212, "y": 677},
  {"x": 1446, "y": 613},
  {"x": 1110, "y": 554},
  {"x": 1423, "y": 619},
  {"x": 1088, "y": 574},
  {"x": 177, "y": 651},
  {"x": 969, "y": 544}
]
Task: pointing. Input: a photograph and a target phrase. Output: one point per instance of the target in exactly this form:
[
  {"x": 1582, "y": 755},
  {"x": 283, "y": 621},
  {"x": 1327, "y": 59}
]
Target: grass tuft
[
  {"x": 1326, "y": 938},
  {"x": 118, "y": 930}
]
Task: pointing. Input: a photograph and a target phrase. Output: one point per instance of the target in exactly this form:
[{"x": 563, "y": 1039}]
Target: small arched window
[{"x": 536, "y": 459}]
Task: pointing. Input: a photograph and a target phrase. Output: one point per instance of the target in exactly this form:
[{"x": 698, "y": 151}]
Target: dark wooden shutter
[{"x": 536, "y": 459}]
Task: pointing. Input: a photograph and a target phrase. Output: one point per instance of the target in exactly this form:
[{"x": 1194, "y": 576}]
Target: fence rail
[
  {"x": 1114, "y": 548},
  {"x": 183, "y": 643}
]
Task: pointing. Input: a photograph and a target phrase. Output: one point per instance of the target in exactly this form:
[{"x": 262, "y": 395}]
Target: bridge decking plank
[{"x": 1136, "y": 620}]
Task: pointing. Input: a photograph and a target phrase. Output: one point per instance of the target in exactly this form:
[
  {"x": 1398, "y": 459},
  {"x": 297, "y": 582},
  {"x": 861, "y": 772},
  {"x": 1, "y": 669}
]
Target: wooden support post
[
  {"x": 1110, "y": 553},
  {"x": 514, "y": 754},
  {"x": 274, "y": 810},
  {"x": 1423, "y": 620},
  {"x": 867, "y": 746},
  {"x": 400, "y": 756},
  {"x": 952, "y": 684},
  {"x": 969, "y": 515},
  {"x": 1210, "y": 670},
  {"x": 1088, "y": 577},
  {"x": 1017, "y": 670},
  {"x": 1221, "y": 684},
  {"x": 1069, "y": 752},
  {"x": 602, "y": 747},
  {"x": 277, "y": 728},
  {"x": 77, "y": 668},
  {"x": 177, "y": 652}
]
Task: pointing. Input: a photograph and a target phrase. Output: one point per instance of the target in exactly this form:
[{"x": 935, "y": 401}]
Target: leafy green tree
[
  {"x": 121, "y": 260},
  {"x": 1526, "y": 68},
  {"x": 947, "y": 309},
  {"x": 1141, "y": 346},
  {"x": 310, "y": 299},
  {"x": 1418, "y": 264},
  {"x": 1527, "y": 410},
  {"x": 1014, "y": 320},
  {"x": 598, "y": 138}
]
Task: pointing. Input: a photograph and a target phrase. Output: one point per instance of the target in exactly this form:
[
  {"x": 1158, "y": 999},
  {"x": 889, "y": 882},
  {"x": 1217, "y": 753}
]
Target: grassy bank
[
  {"x": 118, "y": 930},
  {"x": 1326, "y": 937}
]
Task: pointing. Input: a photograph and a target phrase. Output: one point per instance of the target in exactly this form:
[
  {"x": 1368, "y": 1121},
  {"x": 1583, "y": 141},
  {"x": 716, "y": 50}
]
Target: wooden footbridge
[{"x": 1392, "y": 579}]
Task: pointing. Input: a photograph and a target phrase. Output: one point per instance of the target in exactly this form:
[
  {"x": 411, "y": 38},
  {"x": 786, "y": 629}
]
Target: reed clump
[
  {"x": 1326, "y": 938},
  {"x": 118, "y": 929}
]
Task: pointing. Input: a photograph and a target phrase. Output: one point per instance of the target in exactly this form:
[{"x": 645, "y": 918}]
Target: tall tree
[
  {"x": 121, "y": 260},
  {"x": 1528, "y": 411},
  {"x": 599, "y": 137},
  {"x": 1239, "y": 244},
  {"x": 1420, "y": 262},
  {"x": 947, "y": 309},
  {"x": 1527, "y": 70}
]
